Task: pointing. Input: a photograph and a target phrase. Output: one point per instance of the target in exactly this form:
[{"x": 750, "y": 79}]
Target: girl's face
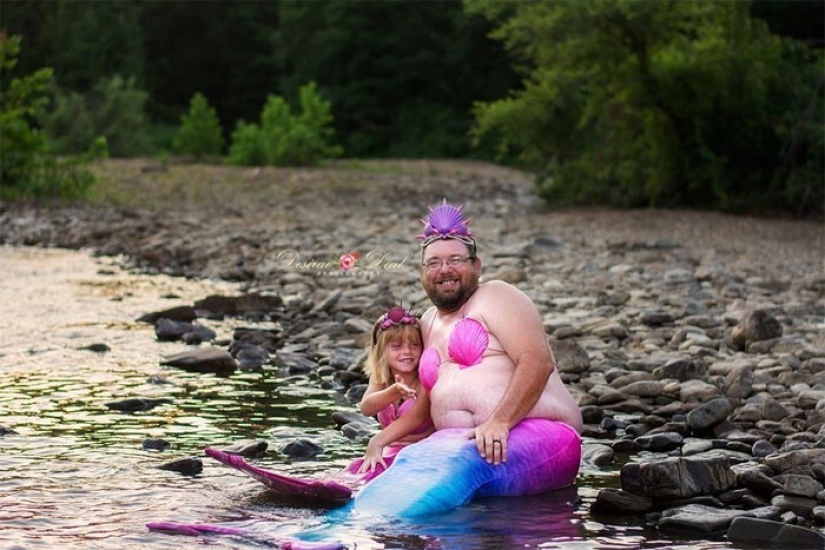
[{"x": 403, "y": 355}]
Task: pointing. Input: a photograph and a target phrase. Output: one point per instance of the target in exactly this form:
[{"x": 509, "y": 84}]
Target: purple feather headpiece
[
  {"x": 445, "y": 221},
  {"x": 397, "y": 315}
]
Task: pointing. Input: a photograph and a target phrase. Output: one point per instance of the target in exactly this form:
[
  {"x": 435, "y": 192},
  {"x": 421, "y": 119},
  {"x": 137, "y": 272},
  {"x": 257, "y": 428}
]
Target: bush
[
  {"x": 114, "y": 110},
  {"x": 28, "y": 168},
  {"x": 286, "y": 139},
  {"x": 659, "y": 104},
  {"x": 200, "y": 133}
]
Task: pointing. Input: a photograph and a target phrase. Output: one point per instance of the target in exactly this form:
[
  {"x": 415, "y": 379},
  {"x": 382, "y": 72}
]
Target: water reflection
[{"x": 75, "y": 475}]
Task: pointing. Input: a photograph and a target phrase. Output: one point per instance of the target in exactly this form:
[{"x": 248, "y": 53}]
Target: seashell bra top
[{"x": 466, "y": 346}]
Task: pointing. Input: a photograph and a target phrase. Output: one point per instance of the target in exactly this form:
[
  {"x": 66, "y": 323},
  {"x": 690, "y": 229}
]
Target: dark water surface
[{"x": 75, "y": 474}]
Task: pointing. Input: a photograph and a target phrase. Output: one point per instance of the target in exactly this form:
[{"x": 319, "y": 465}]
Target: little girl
[{"x": 395, "y": 394}]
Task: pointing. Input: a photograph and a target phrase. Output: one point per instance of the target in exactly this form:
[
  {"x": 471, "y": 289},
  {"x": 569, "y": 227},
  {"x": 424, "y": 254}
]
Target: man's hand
[{"x": 491, "y": 441}]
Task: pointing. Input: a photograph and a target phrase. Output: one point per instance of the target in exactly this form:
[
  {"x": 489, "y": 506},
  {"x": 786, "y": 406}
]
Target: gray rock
[
  {"x": 618, "y": 502},
  {"x": 187, "y": 466},
  {"x": 678, "y": 477},
  {"x": 597, "y": 454},
  {"x": 202, "y": 360},
  {"x": 137, "y": 404},
  {"x": 708, "y": 415},
  {"x": 699, "y": 518},
  {"x": 755, "y": 326},
  {"x": 302, "y": 448},
  {"x": 763, "y": 532}
]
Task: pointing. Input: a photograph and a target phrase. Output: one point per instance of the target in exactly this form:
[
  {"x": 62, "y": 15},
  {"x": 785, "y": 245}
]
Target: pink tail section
[{"x": 327, "y": 491}]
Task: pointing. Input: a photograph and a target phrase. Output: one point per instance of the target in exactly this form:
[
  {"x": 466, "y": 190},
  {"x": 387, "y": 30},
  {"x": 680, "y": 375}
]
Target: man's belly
[{"x": 466, "y": 398}]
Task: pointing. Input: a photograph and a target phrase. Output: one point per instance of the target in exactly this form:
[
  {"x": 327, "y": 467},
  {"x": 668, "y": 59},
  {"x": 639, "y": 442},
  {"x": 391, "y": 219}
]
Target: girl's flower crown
[
  {"x": 397, "y": 315},
  {"x": 445, "y": 221}
]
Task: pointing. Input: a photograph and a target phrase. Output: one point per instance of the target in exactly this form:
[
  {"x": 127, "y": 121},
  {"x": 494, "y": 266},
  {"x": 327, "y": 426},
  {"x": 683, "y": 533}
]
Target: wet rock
[
  {"x": 619, "y": 502},
  {"x": 137, "y": 404},
  {"x": 249, "y": 356},
  {"x": 302, "y": 448},
  {"x": 187, "y": 466},
  {"x": 169, "y": 330},
  {"x": 678, "y": 477},
  {"x": 763, "y": 532},
  {"x": 155, "y": 444},
  {"x": 296, "y": 363},
  {"x": 269, "y": 339},
  {"x": 699, "y": 518},
  {"x": 359, "y": 430},
  {"x": 355, "y": 393},
  {"x": 597, "y": 454},
  {"x": 248, "y": 449},
  {"x": 202, "y": 360}
]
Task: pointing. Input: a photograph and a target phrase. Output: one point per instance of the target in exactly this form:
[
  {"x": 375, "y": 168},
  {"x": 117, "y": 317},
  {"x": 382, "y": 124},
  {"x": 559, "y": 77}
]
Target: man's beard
[{"x": 451, "y": 302}]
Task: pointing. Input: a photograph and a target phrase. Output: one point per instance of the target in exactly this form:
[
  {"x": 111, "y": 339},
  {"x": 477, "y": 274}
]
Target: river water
[{"x": 75, "y": 474}]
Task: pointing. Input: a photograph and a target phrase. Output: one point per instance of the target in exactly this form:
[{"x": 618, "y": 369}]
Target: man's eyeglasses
[{"x": 434, "y": 264}]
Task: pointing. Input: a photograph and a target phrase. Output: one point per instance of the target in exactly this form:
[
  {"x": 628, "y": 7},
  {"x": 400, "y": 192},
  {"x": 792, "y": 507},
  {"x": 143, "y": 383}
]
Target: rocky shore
[{"x": 694, "y": 342}]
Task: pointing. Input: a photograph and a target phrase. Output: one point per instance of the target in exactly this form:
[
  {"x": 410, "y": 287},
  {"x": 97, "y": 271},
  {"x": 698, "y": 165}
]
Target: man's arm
[{"x": 515, "y": 322}]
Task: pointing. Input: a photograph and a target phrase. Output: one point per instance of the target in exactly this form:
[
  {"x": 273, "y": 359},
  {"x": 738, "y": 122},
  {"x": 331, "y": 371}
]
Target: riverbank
[{"x": 652, "y": 314}]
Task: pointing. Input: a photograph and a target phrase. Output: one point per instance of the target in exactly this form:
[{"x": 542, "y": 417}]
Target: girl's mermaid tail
[
  {"x": 445, "y": 470},
  {"x": 328, "y": 491}
]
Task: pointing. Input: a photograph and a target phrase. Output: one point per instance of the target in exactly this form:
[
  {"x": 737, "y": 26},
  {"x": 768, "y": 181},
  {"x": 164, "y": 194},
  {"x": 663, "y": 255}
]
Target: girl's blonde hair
[{"x": 377, "y": 365}]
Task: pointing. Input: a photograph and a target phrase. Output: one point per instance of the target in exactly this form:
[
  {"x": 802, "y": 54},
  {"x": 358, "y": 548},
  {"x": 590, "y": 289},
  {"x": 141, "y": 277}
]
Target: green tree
[
  {"x": 200, "y": 133},
  {"x": 633, "y": 103},
  {"x": 284, "y": 138},
  {"x": 28, "y": 169},
  {"x": 113, "y": 109}
]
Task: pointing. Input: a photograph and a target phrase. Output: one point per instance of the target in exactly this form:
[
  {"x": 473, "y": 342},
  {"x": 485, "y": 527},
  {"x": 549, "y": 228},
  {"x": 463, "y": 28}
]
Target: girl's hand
[
  {"x": 406, "y": 391},
  {"x": 373, "y": 457}
]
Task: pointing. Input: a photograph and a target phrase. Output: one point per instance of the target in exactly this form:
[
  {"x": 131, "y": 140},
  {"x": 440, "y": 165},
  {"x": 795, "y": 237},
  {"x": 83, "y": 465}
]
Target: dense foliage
[
  {"x": 113, "y": 110},
  {"x": 28, "y": 168},
  {"x": 688, "y": 103}
]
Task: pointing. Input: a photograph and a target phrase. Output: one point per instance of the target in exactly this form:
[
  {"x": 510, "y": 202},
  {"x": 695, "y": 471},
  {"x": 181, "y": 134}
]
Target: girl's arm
[
  {"x": 401, "y": 427},
  {"x": 377, "y": 398}
]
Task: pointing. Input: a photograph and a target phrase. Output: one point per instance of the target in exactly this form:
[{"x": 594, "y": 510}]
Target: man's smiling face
[{"x": 449, "y": 286}]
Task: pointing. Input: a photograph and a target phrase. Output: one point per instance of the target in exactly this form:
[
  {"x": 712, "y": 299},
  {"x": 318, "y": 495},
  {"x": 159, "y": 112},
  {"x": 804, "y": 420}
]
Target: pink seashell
[
  {"x": 468, "y": 341},
  {"x": 428, "y": 367}
]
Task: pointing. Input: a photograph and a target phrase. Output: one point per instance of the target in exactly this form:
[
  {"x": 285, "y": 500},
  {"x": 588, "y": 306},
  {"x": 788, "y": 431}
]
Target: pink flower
[{"x": 347, "y": 261}]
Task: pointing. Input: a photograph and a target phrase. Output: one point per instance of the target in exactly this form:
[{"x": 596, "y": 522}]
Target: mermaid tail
[
  {"x": 445, "y": 470},
  {"x": 329, "y": 491},
  {"x": 437, "y": 474},
  {"x": 336, "y": 490}
]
